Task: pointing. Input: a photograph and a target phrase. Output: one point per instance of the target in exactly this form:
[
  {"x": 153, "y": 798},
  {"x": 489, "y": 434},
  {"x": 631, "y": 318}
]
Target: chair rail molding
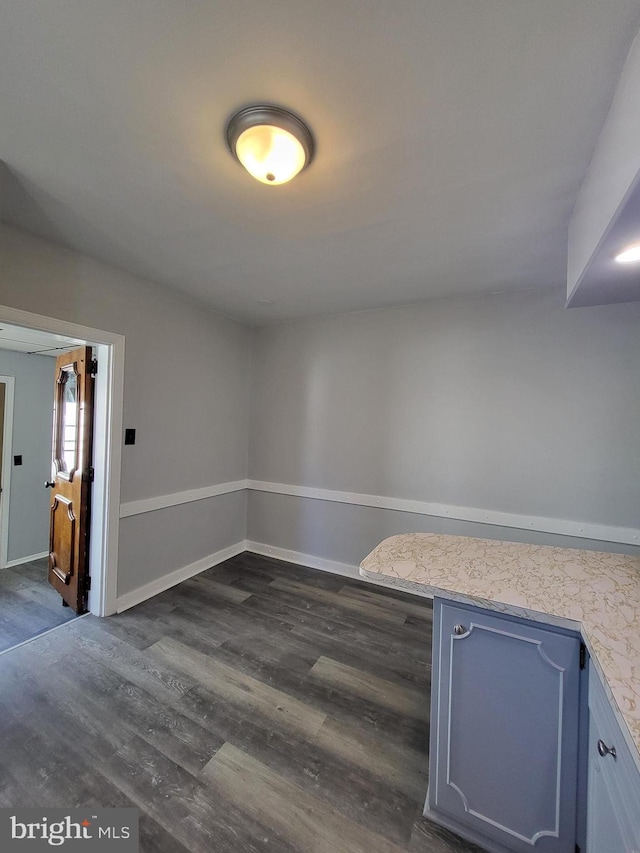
[
  {"x": 541, "y": 524},
  {"x": 498, "y": 518},
  {"x": 176, "y": 498}
]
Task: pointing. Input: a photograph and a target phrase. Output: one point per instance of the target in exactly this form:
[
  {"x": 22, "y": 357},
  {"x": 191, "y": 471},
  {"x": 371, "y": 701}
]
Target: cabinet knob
[
  {"x": 605, "y": 750},
  {"x": 49, "y": 484},
  {"x": 459, "y": 629}
]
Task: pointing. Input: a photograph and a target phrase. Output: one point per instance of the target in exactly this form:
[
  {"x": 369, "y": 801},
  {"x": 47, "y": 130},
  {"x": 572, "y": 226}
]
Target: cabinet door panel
[
  {"x": 606, "y": 825},
  {"x": 506, "y": 745},
  {"x": 613, "y": 810}
]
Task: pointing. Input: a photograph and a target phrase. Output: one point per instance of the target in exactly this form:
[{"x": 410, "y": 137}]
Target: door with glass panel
[{"x": 72, "y": 475}]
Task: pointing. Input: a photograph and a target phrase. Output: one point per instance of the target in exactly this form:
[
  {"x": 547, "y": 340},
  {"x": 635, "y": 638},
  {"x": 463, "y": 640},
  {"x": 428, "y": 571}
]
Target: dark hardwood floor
[
  {"x": 259, "y": 706},
  {"x": 29, "y": 604}
]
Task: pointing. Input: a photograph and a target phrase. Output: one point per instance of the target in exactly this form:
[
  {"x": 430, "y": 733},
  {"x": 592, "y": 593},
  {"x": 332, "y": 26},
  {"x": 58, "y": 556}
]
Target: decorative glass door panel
[{"x": 67, "y": 422}]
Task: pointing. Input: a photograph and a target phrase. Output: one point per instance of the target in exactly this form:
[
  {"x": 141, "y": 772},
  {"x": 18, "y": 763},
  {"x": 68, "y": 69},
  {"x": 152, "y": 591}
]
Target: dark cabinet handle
[
  {"x": 605, "y": 750},
  {"x": 49, "y": 484}
]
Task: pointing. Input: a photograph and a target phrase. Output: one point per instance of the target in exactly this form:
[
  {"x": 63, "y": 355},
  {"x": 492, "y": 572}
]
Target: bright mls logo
[{"x": 102, "y": 830}]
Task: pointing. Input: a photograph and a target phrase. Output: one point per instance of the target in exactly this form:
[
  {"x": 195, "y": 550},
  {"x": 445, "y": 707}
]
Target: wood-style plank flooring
[
  {"x": 260, "y": 706},
  {"x": 29, "y": 605}
]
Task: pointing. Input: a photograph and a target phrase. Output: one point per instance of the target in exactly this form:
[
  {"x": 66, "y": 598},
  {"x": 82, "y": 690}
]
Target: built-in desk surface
[{"x": 590, "y": 591}]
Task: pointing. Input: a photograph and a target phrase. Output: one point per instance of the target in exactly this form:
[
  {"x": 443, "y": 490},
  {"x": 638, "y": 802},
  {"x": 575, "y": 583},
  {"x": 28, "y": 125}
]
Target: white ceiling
[
  {"x": 32, "y": 341},
  {"x": 452, "y": 135}
]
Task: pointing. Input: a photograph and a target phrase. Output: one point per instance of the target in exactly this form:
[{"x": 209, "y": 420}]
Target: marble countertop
[{"x": 596, "y": 593}]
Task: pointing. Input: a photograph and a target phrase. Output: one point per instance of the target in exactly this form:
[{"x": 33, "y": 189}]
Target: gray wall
[
  {"x": 506, "y": 402},
  {"x": 219, "y": 520},
  {"x": 32, "y": 417},
  {"x": 186, "y": 386},
  {"x": 344, "y": 533}
]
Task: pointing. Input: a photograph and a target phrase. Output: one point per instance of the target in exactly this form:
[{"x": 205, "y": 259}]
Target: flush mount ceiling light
[
  {"x": 272, "y": 143},
  {"x": 630, "y": 255}
]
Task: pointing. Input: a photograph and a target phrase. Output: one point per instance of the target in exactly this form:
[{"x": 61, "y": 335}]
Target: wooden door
[
  {"x": 2, "y": 404},
  {"x": 72, "y": 477}
]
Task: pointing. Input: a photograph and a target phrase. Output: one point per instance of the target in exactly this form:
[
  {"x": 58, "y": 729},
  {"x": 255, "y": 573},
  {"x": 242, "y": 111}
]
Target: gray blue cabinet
[
  {"x": 613, "y": 810},
  {"x": 504, "y": 730}
]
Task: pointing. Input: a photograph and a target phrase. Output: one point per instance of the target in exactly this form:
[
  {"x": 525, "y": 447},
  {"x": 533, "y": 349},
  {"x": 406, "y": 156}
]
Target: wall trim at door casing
[
  {"x": 109, "y": 399},
  {"x": 7, "y": 451}
]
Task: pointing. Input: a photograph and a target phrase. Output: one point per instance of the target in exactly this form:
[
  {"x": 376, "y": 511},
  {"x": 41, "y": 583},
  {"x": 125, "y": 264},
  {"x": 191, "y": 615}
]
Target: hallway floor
[{"x": 29, "y": 605}]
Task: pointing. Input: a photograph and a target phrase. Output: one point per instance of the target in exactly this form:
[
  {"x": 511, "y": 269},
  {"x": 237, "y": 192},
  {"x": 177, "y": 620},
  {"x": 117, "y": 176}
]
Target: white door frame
[
  {"x": 5, "y": 496},
  {"x": 107, "y": 451}
]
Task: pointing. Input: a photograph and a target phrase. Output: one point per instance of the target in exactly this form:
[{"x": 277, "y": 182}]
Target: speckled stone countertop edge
[
  {"x": 531, "y": 615},
  {"x": 629, "y": 724},
  {"x": 432, "y": 591}
]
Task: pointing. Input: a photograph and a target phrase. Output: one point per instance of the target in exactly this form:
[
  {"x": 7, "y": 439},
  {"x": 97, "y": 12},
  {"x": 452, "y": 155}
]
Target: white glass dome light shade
[
  {"x": 272, "y": 155},
  {"x": 272, "y": 144},
  {"x": 630, "y": 255}
]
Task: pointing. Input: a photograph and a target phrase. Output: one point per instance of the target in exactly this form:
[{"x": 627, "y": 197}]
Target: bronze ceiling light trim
[{"x": 272, "y": 143}]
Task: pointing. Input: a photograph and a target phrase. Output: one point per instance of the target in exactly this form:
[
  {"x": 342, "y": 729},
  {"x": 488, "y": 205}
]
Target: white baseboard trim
[
  {"x": 558, "y": 526},
  {"x": 310, "y": 561},
  {"x": 142, "y": 593},
  {"x": 177, "y": 498},
  {"x": 22, "y": 560}
]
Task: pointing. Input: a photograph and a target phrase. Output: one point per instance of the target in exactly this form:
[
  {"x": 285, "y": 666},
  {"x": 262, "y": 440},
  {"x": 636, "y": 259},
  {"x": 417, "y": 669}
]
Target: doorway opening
[
  {"x": 29, "y": 605},
  {"x": 37, "y": 333}
]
